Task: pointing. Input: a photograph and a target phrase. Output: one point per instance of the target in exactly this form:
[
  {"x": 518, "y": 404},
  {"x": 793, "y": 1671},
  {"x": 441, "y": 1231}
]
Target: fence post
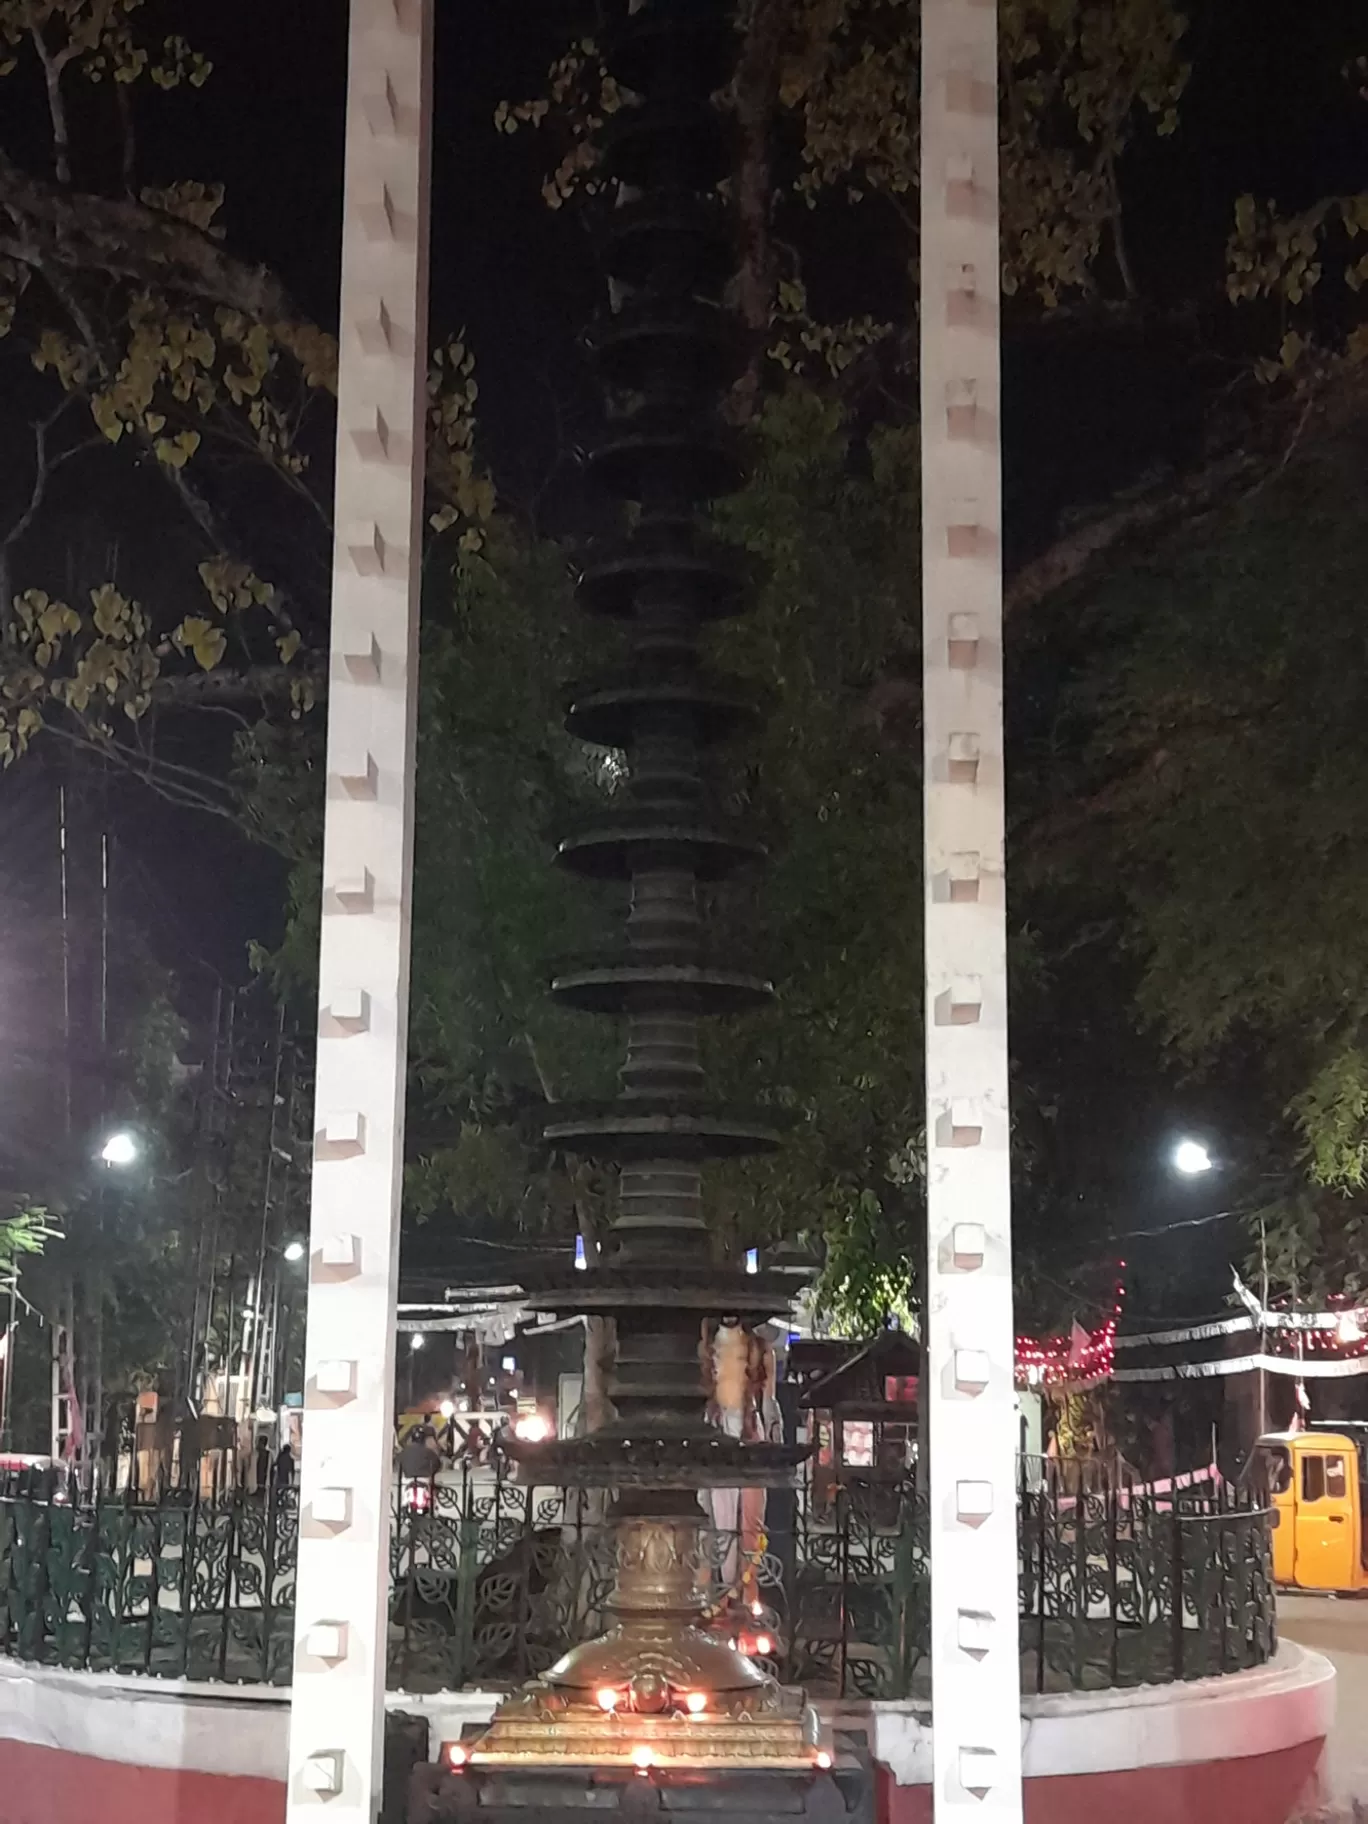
[
  {"x": 228, "y": 1583},
  {"x": 155, "y": 1520},
  {"x": 1113, "y": 1580},
  {"x": 524, "y": 1585},
  {"x": 268, "y": 1545},
  {"x": 467, "y": 1572},
  {"x": 1176, "y": 1585},
  {"x": 1047, "y": 1504},
  {"x": 87, "y": 1559},
  {"x": 404, "y": 1525},
  {"x": 843, "y": 1562},
  {"x": 1080, "y": 1590},
  {"x": 189, "y": 1546}
]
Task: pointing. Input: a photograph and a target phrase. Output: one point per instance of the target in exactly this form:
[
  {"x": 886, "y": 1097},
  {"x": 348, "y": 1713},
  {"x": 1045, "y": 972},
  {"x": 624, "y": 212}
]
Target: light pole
[
  {"x": 417, "y": 1341},
  {"x": 1193, "y": 1160}
]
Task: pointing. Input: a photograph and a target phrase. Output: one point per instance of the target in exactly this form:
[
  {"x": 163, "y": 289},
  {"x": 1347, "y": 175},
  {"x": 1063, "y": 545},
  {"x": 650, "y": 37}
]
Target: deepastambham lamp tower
[{"x": 658, "y": 1690}]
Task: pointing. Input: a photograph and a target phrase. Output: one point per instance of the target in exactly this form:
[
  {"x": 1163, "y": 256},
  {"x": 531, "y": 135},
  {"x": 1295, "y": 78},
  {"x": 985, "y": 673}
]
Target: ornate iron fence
[
  {"x": 181, "y": 1588},
  {"x": 491, "y": 1582},
  {"x": 1125, "y": 1584}
]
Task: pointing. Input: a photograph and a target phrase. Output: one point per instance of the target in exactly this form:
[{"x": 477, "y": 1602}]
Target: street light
[
  {"x": 119, "y": 1149},
  {"x": 1191, "y": 1158}
]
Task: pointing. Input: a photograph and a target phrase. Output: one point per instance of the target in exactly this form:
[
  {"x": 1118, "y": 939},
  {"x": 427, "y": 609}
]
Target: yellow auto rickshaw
[{"x": 1315, "y": 1481}]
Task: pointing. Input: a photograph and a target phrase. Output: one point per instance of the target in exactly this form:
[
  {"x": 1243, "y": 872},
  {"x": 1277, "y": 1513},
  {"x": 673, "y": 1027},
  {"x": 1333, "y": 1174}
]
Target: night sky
[{"x": 1082, "y": 416}]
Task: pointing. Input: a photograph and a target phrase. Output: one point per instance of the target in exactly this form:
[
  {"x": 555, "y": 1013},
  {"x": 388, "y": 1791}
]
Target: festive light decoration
[
  {"x": 1078, "y": 1359},
  {"x": 1339, "y": 1333}
]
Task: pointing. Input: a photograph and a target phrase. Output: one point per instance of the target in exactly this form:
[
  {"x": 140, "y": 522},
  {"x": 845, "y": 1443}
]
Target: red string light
[
  {"x": 1059, "y": 1360},
  {"x": 1053, "y": 1360}
]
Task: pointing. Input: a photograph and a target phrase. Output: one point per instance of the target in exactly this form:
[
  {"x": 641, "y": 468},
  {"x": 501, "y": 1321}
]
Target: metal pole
[
  {"x": 66, "y": 958},
  {"x": 342, "y": 1607},
  {"x": 968, "y": 1333},
  {"x": 58, "y": 1348},
  {"x": 1263, "y": 1333},
  {"x": 6, "y": 1402}
]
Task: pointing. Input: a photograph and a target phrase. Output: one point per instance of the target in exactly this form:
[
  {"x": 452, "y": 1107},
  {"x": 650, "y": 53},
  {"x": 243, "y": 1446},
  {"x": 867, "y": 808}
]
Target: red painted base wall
[
  {"x": 1259, "y": 1789},
  {"x": 45, "y": 1786}
]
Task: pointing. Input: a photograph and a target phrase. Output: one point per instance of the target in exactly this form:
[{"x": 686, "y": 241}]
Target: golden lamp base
[
  {"x": 579, "y": 1736},
  {"x": 655, "y": 1691}
]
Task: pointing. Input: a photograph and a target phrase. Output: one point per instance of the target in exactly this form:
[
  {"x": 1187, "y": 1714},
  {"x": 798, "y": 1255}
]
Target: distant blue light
[
  {"x": 752, "y": 1260},
  {"x": 580, "y": 1260}
]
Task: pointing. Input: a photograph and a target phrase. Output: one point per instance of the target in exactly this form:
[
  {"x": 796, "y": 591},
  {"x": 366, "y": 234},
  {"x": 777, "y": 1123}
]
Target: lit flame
[
  {"x": 763, "y": 1644},
  {"x": 696, "y": 1703},
  {"x": 533, "y": 1428},
  {"x": 643, "y": 1757},
  {"x": 757, "y": 1607},
  {"x": 823, "y": 1758},
  {"x": 457, "y": 1755},
  {"x": 606, "y": 1698}
]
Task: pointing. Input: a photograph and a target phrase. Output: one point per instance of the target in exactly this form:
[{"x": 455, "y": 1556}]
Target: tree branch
[
  {"x": 65, "y": 231},
  {"x": 1078, "y": 551},
  {"x": 251, "y": 683},
  {"x": 53, "y": 63},
  {"x": 1256, "y": 451},
  {"x": 755, "y": 95},
  {"x": 177, "y": 784},
  {"x": 44, "y": 467}
]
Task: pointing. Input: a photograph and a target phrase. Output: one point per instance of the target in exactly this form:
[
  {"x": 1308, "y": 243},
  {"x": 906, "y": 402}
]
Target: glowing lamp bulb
[
  {"x": 696, "y": 1703},
  {"x": 606, "y": 1698},
  {"x": 643, "y": 1757},
  {"x": 457, "y": 1754},
  {"x": 119, "y": 1149},
  {"x": 1191, "y": 1158},
  {"x": 823, "y": 1758},
  {"x": 763, "y": 1644}
]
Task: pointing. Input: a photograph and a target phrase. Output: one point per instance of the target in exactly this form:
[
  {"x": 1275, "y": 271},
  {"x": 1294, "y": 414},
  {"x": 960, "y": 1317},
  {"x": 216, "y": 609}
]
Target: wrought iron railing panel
[{"x": 491, "y": 1582}]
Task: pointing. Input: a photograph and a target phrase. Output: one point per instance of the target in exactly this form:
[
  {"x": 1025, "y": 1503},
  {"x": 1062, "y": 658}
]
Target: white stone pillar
[
  {"x": 342, "y": 1590},
  {"x": 969, "y": 1340}
]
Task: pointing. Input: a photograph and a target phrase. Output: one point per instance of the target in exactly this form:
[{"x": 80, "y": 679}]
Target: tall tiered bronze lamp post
[{"x": 658, "y": 1690}]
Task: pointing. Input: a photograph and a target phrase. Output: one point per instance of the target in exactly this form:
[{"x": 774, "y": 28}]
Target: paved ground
[{"x": 1339, "y": 1629}]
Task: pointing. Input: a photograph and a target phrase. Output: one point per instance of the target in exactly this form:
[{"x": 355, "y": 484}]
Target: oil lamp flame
[
  {"x": 696, "y": 1703},
  {"x": 763, "y": 1644},
  {"x": 643, "y": 1757},
  {"x": 606, "y": 1698}
]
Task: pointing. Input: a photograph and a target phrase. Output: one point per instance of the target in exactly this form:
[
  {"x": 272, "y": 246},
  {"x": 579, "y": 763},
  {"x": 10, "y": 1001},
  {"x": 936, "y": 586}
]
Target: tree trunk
[{"x": 755, "y": 95}]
